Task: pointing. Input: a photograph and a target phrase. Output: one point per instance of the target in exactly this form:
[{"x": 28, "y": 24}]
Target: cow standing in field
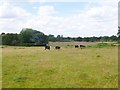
[
  {"x": 47, "y": 47},
  {"x": 57, "y": 47},
  {"x": 82, "y": 46},
  {"x": 76, "y": 46}
]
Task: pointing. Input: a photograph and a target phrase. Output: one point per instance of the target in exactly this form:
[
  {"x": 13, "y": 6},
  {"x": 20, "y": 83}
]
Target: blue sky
[
  {"x": 63, "y": 7},
  {"x": 74, "y": 18}
]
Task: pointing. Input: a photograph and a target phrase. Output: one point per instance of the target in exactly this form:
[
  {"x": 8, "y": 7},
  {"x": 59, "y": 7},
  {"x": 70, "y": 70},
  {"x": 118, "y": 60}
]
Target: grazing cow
[
  {"x": 57, "y": 47},
  {"x": 82, "y": 46},
  {"x": 47, "y": 47},
  {"x": 76, "y": 46}
]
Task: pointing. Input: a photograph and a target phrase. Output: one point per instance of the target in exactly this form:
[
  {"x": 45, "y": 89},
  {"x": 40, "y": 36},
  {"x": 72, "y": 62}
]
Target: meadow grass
[{"x": 34, "y": 67}]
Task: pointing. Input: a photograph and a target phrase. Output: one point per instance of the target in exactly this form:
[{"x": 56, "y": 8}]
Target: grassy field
[{"x": 34, "y": 67}]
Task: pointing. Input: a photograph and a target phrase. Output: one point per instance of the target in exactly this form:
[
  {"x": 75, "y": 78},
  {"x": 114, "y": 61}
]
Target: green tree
[
  {"x": 10, "y": 39},
  {"x": 113, "y": 38},
  {"x": 86, "y": 39},
  {"x": 59, "y": 37},
  {"x": 29, "y": 36},
  {"x": 93, "y": 39},
  {"x": 51, "y": 38},
  {"x": 79, "y": 39},
  {"x": 105, "y": 38},
  {"x": 26, "y": 35}
]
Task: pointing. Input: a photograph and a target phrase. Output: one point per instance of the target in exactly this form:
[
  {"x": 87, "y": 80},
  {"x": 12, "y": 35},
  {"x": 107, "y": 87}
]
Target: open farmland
[{"x": 34, "y": 67}]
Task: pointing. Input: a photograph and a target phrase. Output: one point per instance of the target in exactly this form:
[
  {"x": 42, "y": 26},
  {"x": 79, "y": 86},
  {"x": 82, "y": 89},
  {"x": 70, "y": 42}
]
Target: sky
[{"x": 85, "y": 18}]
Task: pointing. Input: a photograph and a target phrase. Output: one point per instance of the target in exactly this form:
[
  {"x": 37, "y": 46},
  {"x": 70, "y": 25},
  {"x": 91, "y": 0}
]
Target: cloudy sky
[{"x": 73, "y": 18}]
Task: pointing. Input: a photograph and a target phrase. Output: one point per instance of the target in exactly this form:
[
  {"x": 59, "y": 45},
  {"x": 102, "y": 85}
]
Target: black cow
[
  {"x": 57, "y": 47},
  {"x": 47, "y": 47},
  {"x": 76, "y": 46},
  {"x": 82, "y": 46}
]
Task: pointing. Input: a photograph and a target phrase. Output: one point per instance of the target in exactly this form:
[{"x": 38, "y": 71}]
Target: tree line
[{"x": 31, "y": 37}]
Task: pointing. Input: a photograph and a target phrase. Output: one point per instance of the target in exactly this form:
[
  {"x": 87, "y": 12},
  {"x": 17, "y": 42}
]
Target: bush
[{"x": 101, "y": 45}]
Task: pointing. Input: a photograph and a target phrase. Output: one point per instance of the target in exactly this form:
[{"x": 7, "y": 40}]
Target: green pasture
[{"x": 69, "y": 67}]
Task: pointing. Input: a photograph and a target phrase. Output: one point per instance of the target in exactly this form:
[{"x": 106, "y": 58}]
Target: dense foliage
[
  {"x": 10, "y": 39},
  {"x": 32, "y": 37},
  {"x": 28, "y": 37}
]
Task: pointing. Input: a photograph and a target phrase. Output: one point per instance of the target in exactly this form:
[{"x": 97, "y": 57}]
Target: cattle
[
  {"x": 82, "y": 46},
  {"x": 47, "y": 47},
  {"x": 57, "y": 47},
  {"x": 76, "y": 46}
]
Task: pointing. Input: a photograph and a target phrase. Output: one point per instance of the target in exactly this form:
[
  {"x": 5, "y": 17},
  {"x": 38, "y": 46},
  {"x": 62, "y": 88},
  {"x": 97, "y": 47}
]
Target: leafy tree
[
  {"x": 105, "y": 38},
  {"x": 29, "y": 36},
  {"x": 113, "y": 38},
  {"x": 3, "y": 33},
  {"x": 79, "y": 39},
  {"x": 86, "y": 39},
  {"x": 10, "y": 39},
  {"x": 51, "y": 38},
  {"x": 60, "y": 38},
  {"x": 93, "y": 39},
  {"x": 26, "y": 35}
]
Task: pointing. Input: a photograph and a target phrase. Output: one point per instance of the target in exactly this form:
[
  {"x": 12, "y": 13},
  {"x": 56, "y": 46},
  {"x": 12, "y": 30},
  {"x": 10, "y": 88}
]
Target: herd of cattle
[{"x": 59, "y": 47}]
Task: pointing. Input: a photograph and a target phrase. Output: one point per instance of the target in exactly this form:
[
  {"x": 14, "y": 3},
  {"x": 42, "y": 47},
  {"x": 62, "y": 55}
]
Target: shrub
[{"x": 101, "y": 45}]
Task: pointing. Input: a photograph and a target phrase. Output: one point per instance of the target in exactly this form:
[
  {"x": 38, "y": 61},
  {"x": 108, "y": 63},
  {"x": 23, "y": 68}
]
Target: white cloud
[
  {"x": 96, "y": 21},
  {"x": 12, "y": 18},
  {"x": 9, "y": 11},
  {"x": 92, "y": 21}
]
